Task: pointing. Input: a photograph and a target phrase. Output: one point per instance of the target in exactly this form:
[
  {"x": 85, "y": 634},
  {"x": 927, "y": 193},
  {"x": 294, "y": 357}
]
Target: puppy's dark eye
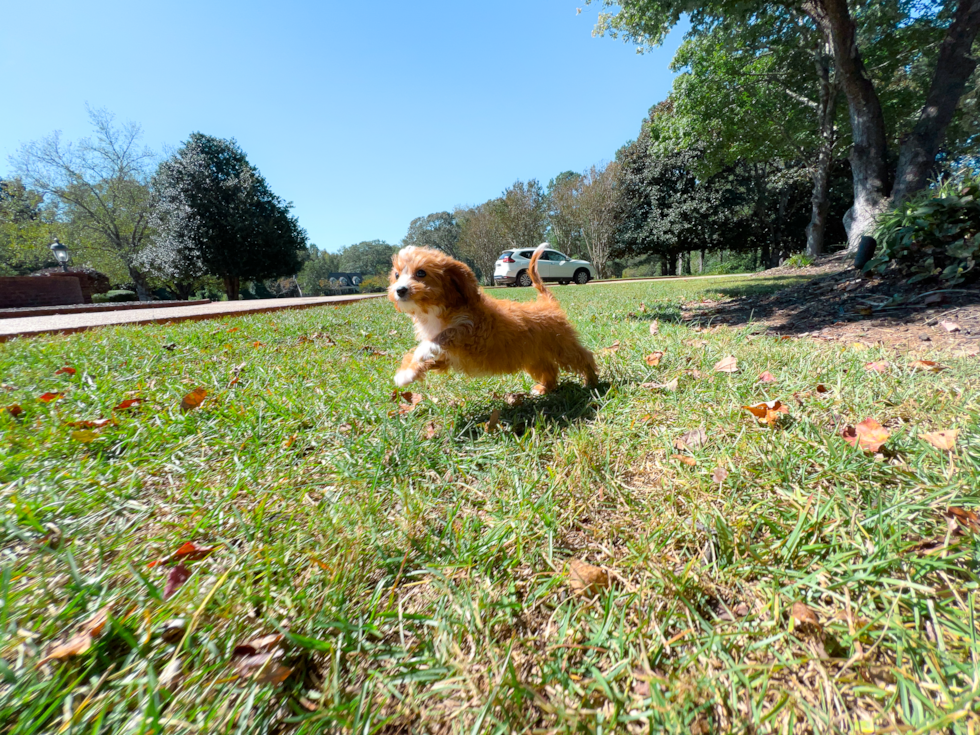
[
  {"x": 396, "y": 274},
  {"x": 420, "y": 273}
]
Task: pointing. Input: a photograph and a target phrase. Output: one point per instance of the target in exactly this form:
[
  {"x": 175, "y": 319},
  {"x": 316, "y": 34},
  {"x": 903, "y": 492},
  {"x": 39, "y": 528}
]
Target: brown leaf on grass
[
  {"x": 84, "y": 436},
  {"x": 258, "y": 660},
  {"x": 869, "y": 435},
  {"x": 726, "y": 365},
  {"x": 766, "y": 377},
  {"x": 586, "y": 579},
  {"x": 413, "y": 399},
  {"x": 614, "y": 347},
  {"x": 950, "y": 326},
  {"x": 928, "y": 366},
  {"x": 655, "y": 326},
  {"x": 515, "y": 399},
  {"x": 653, "y": 359},
  {"x": 878, "y": 366},
  {"x": 65, "y": 371},
  {"x": 82, "y": 640},
  {"x": 15, "y": 410},
  {"x": 193, "y": 399},
  {"x": 256, "y": 343},
  {"x": 188, "y": 551},
  {"x": 48, "y": 397},
  {"x": 233, "y": 329},
  {"x": 696, "y": 342},
  {"x": 128, "y": 403},
  {"x": 431, "y": 430},
  {"x": 493, "y": 421},
  {"x": 692, "y": 440},
  {"x": 686, "y": 459},
  {"x": 669, "y": 385},
  {"x": 177, "y": 576},
  {"x": 768, "y": 412},
  {"x": 719, "y": 475},
  {"x": 88, "y": 424},
  {"x": 859, "y": 346},
  {"x": 943, "y": 440},
  {"x": 805, "y": 617},
  {"x": 966, "y": 518}
]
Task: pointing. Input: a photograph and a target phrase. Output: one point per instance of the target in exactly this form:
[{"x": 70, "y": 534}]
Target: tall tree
[
  {"x": 953, "y": 24},
  {"x": 26, "y": 229},
  {"x": 438, "y": 230},
  {"x": 370, "y": 257},
  {"x": 596, "y": 213},
  {"x": 101, "y": 185},
  {"x": 523, "y": 214},
  {"x": 314, "y": 277},
  {"x": 564, "y": 231},
  {"x": 216, "y": 215},
  {"x": 482, "y": 235}
]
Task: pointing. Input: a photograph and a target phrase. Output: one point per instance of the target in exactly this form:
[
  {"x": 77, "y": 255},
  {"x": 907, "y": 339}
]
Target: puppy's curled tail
[{"x": 532, "y": 269}]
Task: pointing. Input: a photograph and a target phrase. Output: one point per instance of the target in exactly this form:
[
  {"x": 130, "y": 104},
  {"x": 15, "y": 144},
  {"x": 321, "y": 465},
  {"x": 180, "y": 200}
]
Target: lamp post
[{"x": 60, "y": 253}]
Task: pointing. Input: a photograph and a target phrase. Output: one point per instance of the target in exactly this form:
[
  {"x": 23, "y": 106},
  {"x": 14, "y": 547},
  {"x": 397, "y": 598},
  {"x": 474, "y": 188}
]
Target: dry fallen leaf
[
  {"x": 82, "y": 640},
  {"x": 177, "y": 576},
  {"x": 726, "y": 365},
  {"x": 766, "y": 377},
  {"x": 431, "y": 430},
  {"x": 719, "y": 475},
  {"x": 653, "y": 359},
  {"x": 413, "y": 399},
  {"x": 65, "y": 371},
  {"x": 188, "y": 551},
  {"x": 692, "y": 440},
  {"x": 879, "y": 366},
  {"x": 768, "y": 412},
  {"x": 87, "y": 424},
  {"x": 669, "y": 385},
  {"x": 966, "y": 518},
  {"x": 944, "y": 440},
  {"x": 585, "y": 578},
  {"x": 258, "y": 660},
  {"x": 256, "y": 343},
  {"x": 614, "y": 347},
  {"x": 654, "y": 326},
  {"x": 950, "y": 326},
  {"x": 514, "y": 399},
  {"x": 928, "y": 365},
  {"x": 869, "y": 435},
  {"x": 15, "y": 410},
  {"x": 804, "y": 616},
  {"x": 686, "y": 459},
  {"x": 233, "y": 329},
  {"x": 48, "y": 397},
  {"x": 193, "y": 399},
  {"x": 84, "y": 436},
  {"x": 128, "y": 403},
  {"x": 696, "y": 342},
  {"x": 493, "y": 421}
]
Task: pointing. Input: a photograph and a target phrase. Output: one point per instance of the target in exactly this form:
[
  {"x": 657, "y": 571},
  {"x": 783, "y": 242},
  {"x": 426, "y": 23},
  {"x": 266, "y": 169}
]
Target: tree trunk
[
  {"x": 826, "y": 113},
  {"x": 869, "y": 143},
  {"x": 142, "y": 288},
  {"x": 232, "y": 286},
  {"x": 701, "y": 261},
  {"x": 917, "y": 157}
]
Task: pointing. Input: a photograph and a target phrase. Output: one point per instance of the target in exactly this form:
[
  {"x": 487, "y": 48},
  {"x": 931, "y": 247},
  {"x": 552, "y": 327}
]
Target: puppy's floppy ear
[{"x": 461, "y": 287}]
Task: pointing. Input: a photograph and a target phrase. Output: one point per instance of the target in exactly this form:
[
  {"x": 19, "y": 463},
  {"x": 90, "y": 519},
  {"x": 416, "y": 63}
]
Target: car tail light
[{"x": 507, "y": 260}]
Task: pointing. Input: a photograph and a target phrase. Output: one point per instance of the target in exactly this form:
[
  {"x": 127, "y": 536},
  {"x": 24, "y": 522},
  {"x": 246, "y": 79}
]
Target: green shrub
[
  {"x": 374, "y": 284},
  {"x": 800, "y": 260},
  {"x": 934, "y": 233},
  {"x": 112, "y": 297}
]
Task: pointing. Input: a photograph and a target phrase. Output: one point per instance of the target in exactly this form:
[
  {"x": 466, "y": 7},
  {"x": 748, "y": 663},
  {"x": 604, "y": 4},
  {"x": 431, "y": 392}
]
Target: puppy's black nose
[{"x": 401, "y": 291}]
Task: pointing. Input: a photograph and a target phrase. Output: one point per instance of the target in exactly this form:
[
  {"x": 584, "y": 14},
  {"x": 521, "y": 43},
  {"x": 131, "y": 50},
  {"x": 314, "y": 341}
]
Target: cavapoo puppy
[{"x": 461, "y": 328}]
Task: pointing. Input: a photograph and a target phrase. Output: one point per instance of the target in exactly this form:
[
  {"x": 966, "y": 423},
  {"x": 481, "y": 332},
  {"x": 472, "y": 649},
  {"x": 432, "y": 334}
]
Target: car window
[
  {"x": 556, "y": 256},
  {"x": 527, "y": 253},
  {"x": 505, "y": 255}
]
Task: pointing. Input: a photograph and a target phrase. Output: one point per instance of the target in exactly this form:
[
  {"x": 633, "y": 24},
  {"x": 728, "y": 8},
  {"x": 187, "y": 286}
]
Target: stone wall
[{"x": 16, "y": 291}]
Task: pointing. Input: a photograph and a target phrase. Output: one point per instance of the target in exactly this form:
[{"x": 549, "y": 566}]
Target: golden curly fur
[{"x": 461, "y": 328}]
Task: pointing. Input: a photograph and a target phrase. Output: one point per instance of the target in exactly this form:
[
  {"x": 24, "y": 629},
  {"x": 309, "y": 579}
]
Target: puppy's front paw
[
  {"x": 427, "y": 351},
  {"x": 404, "y": 377}
]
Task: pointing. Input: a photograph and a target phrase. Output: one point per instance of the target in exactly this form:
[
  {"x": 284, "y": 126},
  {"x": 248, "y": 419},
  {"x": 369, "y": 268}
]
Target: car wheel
[
  {"x": 524, "y": 279},
  {"x": 581, "y": 276}
]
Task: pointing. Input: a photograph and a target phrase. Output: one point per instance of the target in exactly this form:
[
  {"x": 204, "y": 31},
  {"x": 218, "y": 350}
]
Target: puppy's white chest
[{"x": 428, "y": 326}]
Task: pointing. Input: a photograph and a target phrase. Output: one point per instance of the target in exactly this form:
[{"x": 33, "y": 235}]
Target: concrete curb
[{"x": 28, "y": 311}]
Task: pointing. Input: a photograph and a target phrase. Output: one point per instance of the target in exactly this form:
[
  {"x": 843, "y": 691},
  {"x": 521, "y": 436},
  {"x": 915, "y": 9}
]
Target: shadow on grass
[{"x": 568, "y": 403}]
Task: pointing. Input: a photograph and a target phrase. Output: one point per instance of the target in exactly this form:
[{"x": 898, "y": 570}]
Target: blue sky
[{"x": 364, "y": 116}]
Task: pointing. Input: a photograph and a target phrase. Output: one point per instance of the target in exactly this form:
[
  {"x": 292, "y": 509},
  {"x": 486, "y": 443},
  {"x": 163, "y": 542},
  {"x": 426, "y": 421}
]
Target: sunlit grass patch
[{"x": 415, "y": 561}]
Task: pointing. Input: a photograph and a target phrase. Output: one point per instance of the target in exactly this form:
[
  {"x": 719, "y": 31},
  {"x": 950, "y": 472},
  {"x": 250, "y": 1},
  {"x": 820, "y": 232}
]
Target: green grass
[{"x": 421, "y": 582}]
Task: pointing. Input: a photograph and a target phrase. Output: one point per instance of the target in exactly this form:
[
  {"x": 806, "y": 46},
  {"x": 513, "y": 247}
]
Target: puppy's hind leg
[
  {"x": 412, "y": 369},
  {"x": 546, "y": 377},
  {"x": 583, "y": 363}
]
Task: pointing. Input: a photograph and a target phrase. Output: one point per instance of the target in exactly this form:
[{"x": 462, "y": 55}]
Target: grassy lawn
[{"x": 416, "y": 562}]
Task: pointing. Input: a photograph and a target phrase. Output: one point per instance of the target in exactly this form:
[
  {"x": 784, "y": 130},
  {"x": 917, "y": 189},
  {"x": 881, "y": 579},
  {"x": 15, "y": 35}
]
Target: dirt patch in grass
[{"x": 841, "y": 303}]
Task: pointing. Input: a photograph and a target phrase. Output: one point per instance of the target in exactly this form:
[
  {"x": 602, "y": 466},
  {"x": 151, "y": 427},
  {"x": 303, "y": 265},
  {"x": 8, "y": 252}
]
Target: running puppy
[{"x": 461, "y": 328}]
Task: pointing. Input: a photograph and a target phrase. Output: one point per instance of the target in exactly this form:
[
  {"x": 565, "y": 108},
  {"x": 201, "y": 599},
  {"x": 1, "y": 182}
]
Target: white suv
[{"x": 511, "y": 268}]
